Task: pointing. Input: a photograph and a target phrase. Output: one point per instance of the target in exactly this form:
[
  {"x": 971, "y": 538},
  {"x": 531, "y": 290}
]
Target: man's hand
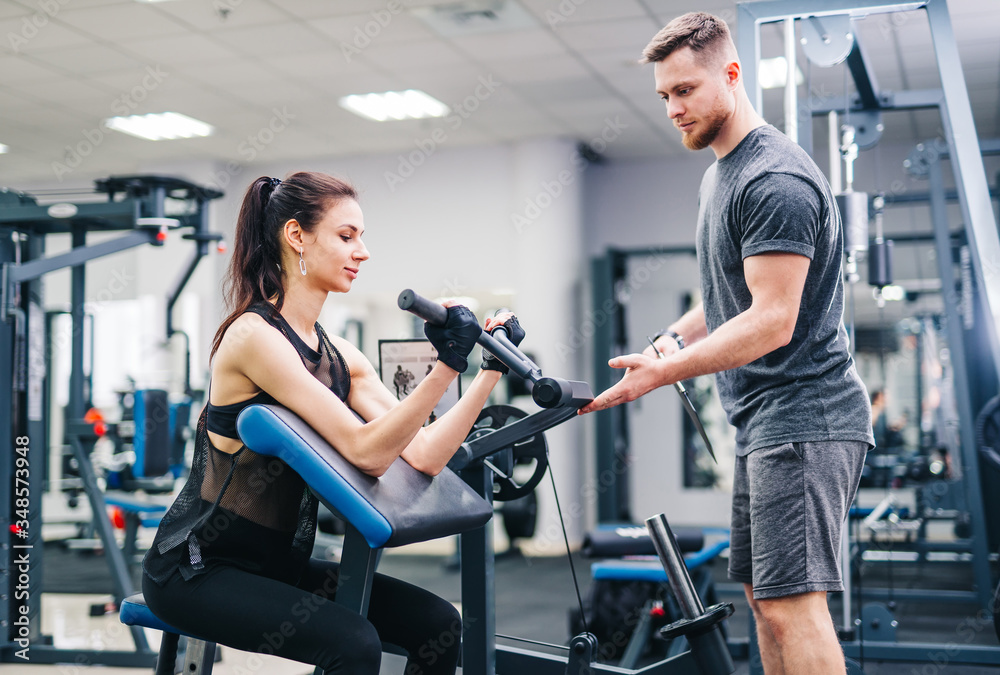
[{"x": 643, "y": 373}]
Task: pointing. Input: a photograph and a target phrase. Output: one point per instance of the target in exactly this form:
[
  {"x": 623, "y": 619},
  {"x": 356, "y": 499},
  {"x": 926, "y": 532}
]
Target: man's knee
[
  {"x": 776, "y": 610},
  {"x": 792, "y": 610}
]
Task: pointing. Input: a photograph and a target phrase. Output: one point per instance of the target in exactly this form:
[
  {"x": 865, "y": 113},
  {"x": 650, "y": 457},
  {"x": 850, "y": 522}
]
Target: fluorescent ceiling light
[
  {"x": 165, "y": 126},
  {"x": 3, "y": 148},
  {"x": 773, "y": 73},
  {"x": 395, "y": 105}
]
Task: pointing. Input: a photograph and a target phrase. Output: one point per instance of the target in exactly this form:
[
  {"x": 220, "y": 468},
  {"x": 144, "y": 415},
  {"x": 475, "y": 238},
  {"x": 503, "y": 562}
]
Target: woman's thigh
[{"x": 258, "y": 614}]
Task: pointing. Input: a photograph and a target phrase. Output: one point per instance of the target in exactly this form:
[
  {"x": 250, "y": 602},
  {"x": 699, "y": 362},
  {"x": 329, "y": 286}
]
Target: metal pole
[
  {"x": 610, "y": 428},
  {"x": 478, "y": 585},
  {"x": 673, "y": 562},
  {"x": 833, "y": 140},
  {"x": 357, "y": 569},
  {"x": 708, "y": 647},
  {"x": 9, "y": 609},
  {"x": 748, "y": 46},
  {"x": 78, "y": 276},
  {"x": 967, "y": 163},
  {"x": 962, "y": 371},
  {"x": 791, "y": 112}
]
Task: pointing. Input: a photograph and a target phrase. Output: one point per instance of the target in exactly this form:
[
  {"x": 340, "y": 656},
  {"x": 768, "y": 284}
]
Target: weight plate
[{"x": 506, "y": 486}]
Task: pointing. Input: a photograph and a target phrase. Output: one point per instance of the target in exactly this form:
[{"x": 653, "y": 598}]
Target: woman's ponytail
[{"x": 254, "y": 272}]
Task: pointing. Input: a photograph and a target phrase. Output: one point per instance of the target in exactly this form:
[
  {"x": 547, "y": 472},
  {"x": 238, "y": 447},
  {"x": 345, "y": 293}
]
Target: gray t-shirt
[{"x": 767, "y": 195}]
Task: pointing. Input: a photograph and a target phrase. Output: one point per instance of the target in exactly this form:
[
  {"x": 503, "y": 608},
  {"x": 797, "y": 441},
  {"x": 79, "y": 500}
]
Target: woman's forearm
[{"x": 434, "y": 445}]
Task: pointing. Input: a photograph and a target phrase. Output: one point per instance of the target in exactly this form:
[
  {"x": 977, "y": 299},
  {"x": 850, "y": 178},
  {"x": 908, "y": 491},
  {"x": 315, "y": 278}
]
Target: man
[{"x": 770, "y": 325}]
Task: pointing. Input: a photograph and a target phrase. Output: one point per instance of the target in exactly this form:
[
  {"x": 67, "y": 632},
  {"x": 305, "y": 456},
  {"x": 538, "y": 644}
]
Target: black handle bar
[{"x": 548, "y": 392}]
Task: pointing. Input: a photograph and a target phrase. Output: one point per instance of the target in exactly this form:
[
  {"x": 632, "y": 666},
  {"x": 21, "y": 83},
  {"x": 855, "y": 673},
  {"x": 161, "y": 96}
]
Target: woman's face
[{"x": 333, "y": 251}]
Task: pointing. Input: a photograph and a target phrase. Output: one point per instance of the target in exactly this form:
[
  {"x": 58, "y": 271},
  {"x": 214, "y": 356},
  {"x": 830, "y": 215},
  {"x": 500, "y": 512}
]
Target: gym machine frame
[
  {"x": 559, "y": 399},
  {"x": 924, "y": 162},
  {"x": 135, "y": 204},
  {"x": 952, "y": 102}
]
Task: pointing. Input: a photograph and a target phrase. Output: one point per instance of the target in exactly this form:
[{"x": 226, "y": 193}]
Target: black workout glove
[
  {"x": 515, "y": 334},
  {"x": 456, "y": 338}
]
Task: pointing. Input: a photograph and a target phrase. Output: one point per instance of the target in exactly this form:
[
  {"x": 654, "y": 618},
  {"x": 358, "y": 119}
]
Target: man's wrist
[{"x": 671, "y": 334}]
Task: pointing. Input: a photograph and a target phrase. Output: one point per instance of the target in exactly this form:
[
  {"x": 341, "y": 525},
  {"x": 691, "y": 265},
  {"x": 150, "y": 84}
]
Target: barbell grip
[
  {"x": 437, "y": 314},
  {"x": 505, "y": 341},
  {"x": 509, "y": 356},
  {"x": 432, "y": 312},
  {"x": 531, "y": 371}
]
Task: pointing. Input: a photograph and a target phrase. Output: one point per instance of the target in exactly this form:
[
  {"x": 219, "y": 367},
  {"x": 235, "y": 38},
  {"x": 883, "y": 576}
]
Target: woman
[{"x": 230, "y": 561}]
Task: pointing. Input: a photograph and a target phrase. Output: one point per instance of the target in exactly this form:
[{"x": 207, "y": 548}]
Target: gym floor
[{"x": 534, "y": 595}]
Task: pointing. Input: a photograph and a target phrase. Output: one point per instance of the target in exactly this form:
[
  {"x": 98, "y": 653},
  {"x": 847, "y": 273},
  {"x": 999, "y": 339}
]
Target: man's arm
[{"x": 775, "y": 281}]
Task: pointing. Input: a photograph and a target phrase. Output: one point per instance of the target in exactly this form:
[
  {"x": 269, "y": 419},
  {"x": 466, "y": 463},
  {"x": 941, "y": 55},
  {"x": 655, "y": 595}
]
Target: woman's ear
[{"x": 293, "y": 234}]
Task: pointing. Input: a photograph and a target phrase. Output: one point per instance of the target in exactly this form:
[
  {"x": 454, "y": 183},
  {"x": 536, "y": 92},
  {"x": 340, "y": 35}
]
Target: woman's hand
[
  {"x": 515, "y": 334},
  {"x": 456, "y": 338}
]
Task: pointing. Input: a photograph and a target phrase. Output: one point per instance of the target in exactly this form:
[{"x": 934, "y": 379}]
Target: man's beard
[{"x": 715, "y": 120}]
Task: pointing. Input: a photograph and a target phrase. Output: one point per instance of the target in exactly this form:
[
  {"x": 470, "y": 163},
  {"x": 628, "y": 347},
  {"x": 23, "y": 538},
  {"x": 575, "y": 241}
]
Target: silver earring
[{"x": 302, "y": 263}]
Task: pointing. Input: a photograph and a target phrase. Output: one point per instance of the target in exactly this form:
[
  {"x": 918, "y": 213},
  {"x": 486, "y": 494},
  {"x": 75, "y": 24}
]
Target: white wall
[{"x": 643, "y": 203}]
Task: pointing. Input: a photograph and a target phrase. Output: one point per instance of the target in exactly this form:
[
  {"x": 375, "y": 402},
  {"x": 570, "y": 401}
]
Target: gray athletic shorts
[{"x": 790, "y": 502}]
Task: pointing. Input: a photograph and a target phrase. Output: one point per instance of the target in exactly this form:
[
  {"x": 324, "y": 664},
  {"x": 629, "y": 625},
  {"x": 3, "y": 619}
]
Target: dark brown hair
[
  {"x": 255, "y": 273},
  {"x": 700, "y": 31}
]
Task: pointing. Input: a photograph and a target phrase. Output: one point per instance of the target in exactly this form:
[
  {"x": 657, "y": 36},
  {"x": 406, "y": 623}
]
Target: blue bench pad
[
  {"x": 652, "y": 570},
  {"x": 132, "y": 503},
  {"x": 400, "y": 507},
  {"x": 135, "y": 612}
]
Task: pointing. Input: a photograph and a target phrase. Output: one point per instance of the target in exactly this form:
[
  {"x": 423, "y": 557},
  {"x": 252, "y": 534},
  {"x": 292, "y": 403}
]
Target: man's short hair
[{"x": 702, "y": 32}]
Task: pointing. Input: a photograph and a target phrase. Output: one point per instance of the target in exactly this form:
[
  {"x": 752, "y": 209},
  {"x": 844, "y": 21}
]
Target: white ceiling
[{"x": 568, "y": 69}]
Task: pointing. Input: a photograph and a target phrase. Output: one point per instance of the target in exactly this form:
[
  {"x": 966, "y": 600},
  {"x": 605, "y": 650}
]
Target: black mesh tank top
[
  {"x": 245, "y": 509},
  {"x": 221, "y": 419}
]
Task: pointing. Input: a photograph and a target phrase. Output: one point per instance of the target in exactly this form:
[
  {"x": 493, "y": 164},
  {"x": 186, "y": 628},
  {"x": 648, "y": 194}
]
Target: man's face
[{"x": 697, "y": 96}]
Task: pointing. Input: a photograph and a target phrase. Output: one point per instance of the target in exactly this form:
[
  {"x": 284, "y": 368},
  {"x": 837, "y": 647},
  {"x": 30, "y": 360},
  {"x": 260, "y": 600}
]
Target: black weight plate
[{"x": 533, "y": 448}]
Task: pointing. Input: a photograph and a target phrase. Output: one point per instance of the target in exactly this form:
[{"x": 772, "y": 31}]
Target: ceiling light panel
[
  {"x": 166, "y": 126},
  {"x": 388, "y": 106}
]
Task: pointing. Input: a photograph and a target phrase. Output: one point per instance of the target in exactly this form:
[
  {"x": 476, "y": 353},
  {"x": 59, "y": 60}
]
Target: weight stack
[{"x": 853, "y": 208}]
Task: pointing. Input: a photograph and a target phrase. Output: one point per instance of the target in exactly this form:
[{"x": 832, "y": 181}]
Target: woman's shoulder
[
  {"x": 246, "y": 324},
  {"x": 247, "y": 333}
]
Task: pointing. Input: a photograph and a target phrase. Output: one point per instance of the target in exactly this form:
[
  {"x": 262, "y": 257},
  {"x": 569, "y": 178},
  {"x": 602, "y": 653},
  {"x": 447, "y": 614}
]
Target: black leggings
[{"x": 259, "y": 614}]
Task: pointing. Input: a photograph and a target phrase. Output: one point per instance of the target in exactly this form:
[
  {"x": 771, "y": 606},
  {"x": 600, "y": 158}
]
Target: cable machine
[{"x": 137, "y": 206}]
